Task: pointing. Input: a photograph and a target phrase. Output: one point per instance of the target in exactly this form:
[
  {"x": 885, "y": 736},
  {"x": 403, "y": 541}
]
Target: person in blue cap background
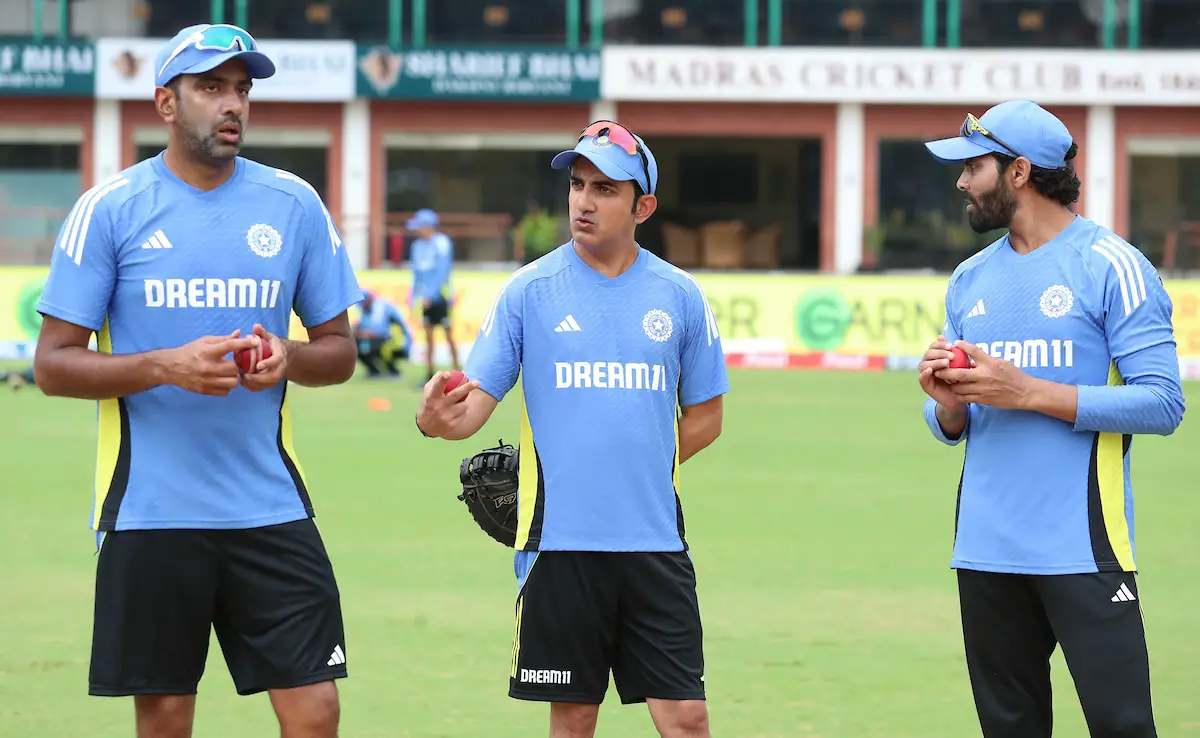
[
  {"x": 432, "y": 260},
  {"x": 202, "y": 514},
  {"x": 383, "y": 337},
  {"x": 623, "y": 377},
  {"x": 1068, "y": 328}
]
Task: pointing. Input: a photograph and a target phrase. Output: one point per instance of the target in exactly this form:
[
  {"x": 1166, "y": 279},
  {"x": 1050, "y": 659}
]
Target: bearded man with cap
[
  {"x": 1069, "y": 332},
  {"x": 612, "y": 343},
  {"x": 202, "y": 514}
]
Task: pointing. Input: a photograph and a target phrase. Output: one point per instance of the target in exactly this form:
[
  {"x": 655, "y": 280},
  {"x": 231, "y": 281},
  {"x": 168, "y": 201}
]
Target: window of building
[
  {"x": 39, "y": 184},
  {"x": 704, "y": 22},
  {"x": 922, "y": 221}
]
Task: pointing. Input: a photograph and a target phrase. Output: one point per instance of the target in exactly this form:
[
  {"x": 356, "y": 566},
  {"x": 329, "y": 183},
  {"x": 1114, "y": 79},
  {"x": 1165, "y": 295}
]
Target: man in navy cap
[
  {"x": 202, "y": 512},
  {"x": 623, "y": 377},
  {"x": 1069, "y": 331}
]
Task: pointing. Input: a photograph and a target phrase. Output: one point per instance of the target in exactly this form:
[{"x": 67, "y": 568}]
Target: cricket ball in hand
[
  {"x": 959, "y": 360},
  {"x": 454, "y": 380},
  {"x": 247, "y": 359}
]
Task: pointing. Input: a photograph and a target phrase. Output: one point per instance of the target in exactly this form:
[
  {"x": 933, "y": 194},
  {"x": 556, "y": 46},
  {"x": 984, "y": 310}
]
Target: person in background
[
  {"x": 383, "y": 336},
  {"x": 431, "y": 260},
  {"x": 17, "y": 379}
]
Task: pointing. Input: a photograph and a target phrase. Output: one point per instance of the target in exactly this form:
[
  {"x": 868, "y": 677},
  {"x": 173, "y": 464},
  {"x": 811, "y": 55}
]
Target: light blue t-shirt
[
  {"x": 380, "y": 319},
  {"x": 605, "y": 365},
  {"x": 1039, "y": 495},
  {"x": 431, "y": 261},
  {"x": 150, "y": 262}
]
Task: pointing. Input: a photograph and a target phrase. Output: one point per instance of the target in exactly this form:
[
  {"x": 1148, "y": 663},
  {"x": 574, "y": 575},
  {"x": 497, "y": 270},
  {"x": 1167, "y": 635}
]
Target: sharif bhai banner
[
  {"x": 47, "y": 68},
  {"x": 478, "y": 74}
]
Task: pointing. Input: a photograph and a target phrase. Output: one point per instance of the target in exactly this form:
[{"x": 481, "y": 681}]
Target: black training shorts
[
  {"x": 438, "y": 312},
  {"x": 269, "y": 593},
  {"x": 580, "y": 615}
]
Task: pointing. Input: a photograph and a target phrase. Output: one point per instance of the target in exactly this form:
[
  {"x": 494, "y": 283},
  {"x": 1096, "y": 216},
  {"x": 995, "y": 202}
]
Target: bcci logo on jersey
[
  {"x": 1033, "y": 354},
  {"x": 212, "y": 293},
  {"x": 610, "y": 375}
]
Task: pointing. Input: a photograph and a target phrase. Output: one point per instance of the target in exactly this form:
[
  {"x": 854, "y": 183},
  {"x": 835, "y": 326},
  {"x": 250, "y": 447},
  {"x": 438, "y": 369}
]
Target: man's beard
[
  {"x": 207, "y": 149},
  {"x": 994, "y": 209}
]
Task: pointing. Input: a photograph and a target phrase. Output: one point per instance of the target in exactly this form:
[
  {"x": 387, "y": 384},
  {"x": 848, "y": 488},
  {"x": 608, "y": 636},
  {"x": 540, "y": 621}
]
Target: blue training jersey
[
  {"x": 150, "y": 262},
  {"x": 1039, "y": 495},
  {"x": 605, "y": 363},
  {"x": 431, "y": 261}
]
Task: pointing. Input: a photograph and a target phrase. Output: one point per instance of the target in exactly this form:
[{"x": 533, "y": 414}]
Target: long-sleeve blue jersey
[{"x": 1039, "y": 495}]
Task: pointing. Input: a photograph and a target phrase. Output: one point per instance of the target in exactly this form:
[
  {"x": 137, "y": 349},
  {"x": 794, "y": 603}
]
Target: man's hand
[
  {"x": 269, "y": 372},
  {"x": 937, "y": 359},
  {"x": 441, "y": 412},
  {"x": 205, "y": 366},
  {"x": 992, "y": 382}
]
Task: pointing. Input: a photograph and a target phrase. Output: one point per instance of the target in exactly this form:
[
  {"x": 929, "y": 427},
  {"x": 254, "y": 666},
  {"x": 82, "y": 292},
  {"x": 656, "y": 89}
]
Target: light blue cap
[
  {"x": 614, "y": 161},
  {"x": 423, "y": 217},
  {"x": 1032, "y": 131},
  {"x": 180, "y": 55}
]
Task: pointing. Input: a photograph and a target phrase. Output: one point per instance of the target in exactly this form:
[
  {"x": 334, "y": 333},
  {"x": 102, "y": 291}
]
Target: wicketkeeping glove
[{"x": 489, "y": 482}]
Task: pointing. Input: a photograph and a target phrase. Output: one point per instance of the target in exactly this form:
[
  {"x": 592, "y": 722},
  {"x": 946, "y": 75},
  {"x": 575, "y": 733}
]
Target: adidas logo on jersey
[
  {"x": 977, "y": 310},
  {"x": 568, "y": 325},
  {"x": 158, "y": 241}
]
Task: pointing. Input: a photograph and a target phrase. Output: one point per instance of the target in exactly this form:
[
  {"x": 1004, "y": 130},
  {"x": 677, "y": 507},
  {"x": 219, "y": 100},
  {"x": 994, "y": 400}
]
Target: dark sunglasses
[
  {"x": 972, "y": 124},
  {"x": 604, "y": 132}
]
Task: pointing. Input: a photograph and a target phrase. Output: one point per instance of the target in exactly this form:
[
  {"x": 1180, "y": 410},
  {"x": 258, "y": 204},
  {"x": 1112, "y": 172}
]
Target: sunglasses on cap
[
  {"x": 605, "y": 132},
  {"x": 972, "y": 124},
  {"x": 220, "y": 37}
]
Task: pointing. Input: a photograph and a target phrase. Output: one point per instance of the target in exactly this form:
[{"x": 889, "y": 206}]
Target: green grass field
[{"x": 821, "y": 524}]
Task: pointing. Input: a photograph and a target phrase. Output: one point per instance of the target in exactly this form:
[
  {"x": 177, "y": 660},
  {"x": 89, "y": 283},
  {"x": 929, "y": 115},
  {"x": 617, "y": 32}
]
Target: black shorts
[
  {"x": 1012, "y": 624},
  {"x": 580, "y": 615},
  {"x": 438, "y": 312},
  {"x": 269, "y": 593}
]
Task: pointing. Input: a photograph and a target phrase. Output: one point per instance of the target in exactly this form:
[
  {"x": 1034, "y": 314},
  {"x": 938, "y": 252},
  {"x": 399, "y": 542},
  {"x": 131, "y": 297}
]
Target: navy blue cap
[
  {"x": 616, "y": 163},
  {"x": 1029, "y": 129},
  {"x": 206, "y": 46}
]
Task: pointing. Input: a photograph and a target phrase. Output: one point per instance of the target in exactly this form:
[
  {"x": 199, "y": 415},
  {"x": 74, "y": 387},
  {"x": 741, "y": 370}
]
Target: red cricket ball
[
  {"x": 247, "y": 359},
  {"x": 454, "y": 380},
  {"x": 960, "y": 360}
]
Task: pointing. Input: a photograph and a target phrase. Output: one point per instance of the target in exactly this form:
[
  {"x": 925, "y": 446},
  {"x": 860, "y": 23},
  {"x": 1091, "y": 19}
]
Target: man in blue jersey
[
  {"x": 610, "y": 342},
  {"x": 383, "y": 336},
  {"x": 432, "y": 258},
  {"x": 1069, "y": 328},
  {"x": 202, "y": 511}
]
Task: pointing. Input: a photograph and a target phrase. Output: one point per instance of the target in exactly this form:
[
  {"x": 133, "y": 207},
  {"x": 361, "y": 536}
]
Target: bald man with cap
[
  {"x": 202, "y": 514},
  {"x": 623, "y": 377}
]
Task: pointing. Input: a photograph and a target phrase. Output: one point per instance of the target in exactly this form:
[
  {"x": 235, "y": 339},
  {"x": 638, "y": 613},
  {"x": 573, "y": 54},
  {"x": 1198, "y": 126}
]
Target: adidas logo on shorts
[{"x": 337, "y": 658}]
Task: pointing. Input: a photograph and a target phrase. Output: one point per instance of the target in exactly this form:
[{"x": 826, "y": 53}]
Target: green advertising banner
[
  {"x": 47, "y": 68},
  {"x": 459, "y": 73}
]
